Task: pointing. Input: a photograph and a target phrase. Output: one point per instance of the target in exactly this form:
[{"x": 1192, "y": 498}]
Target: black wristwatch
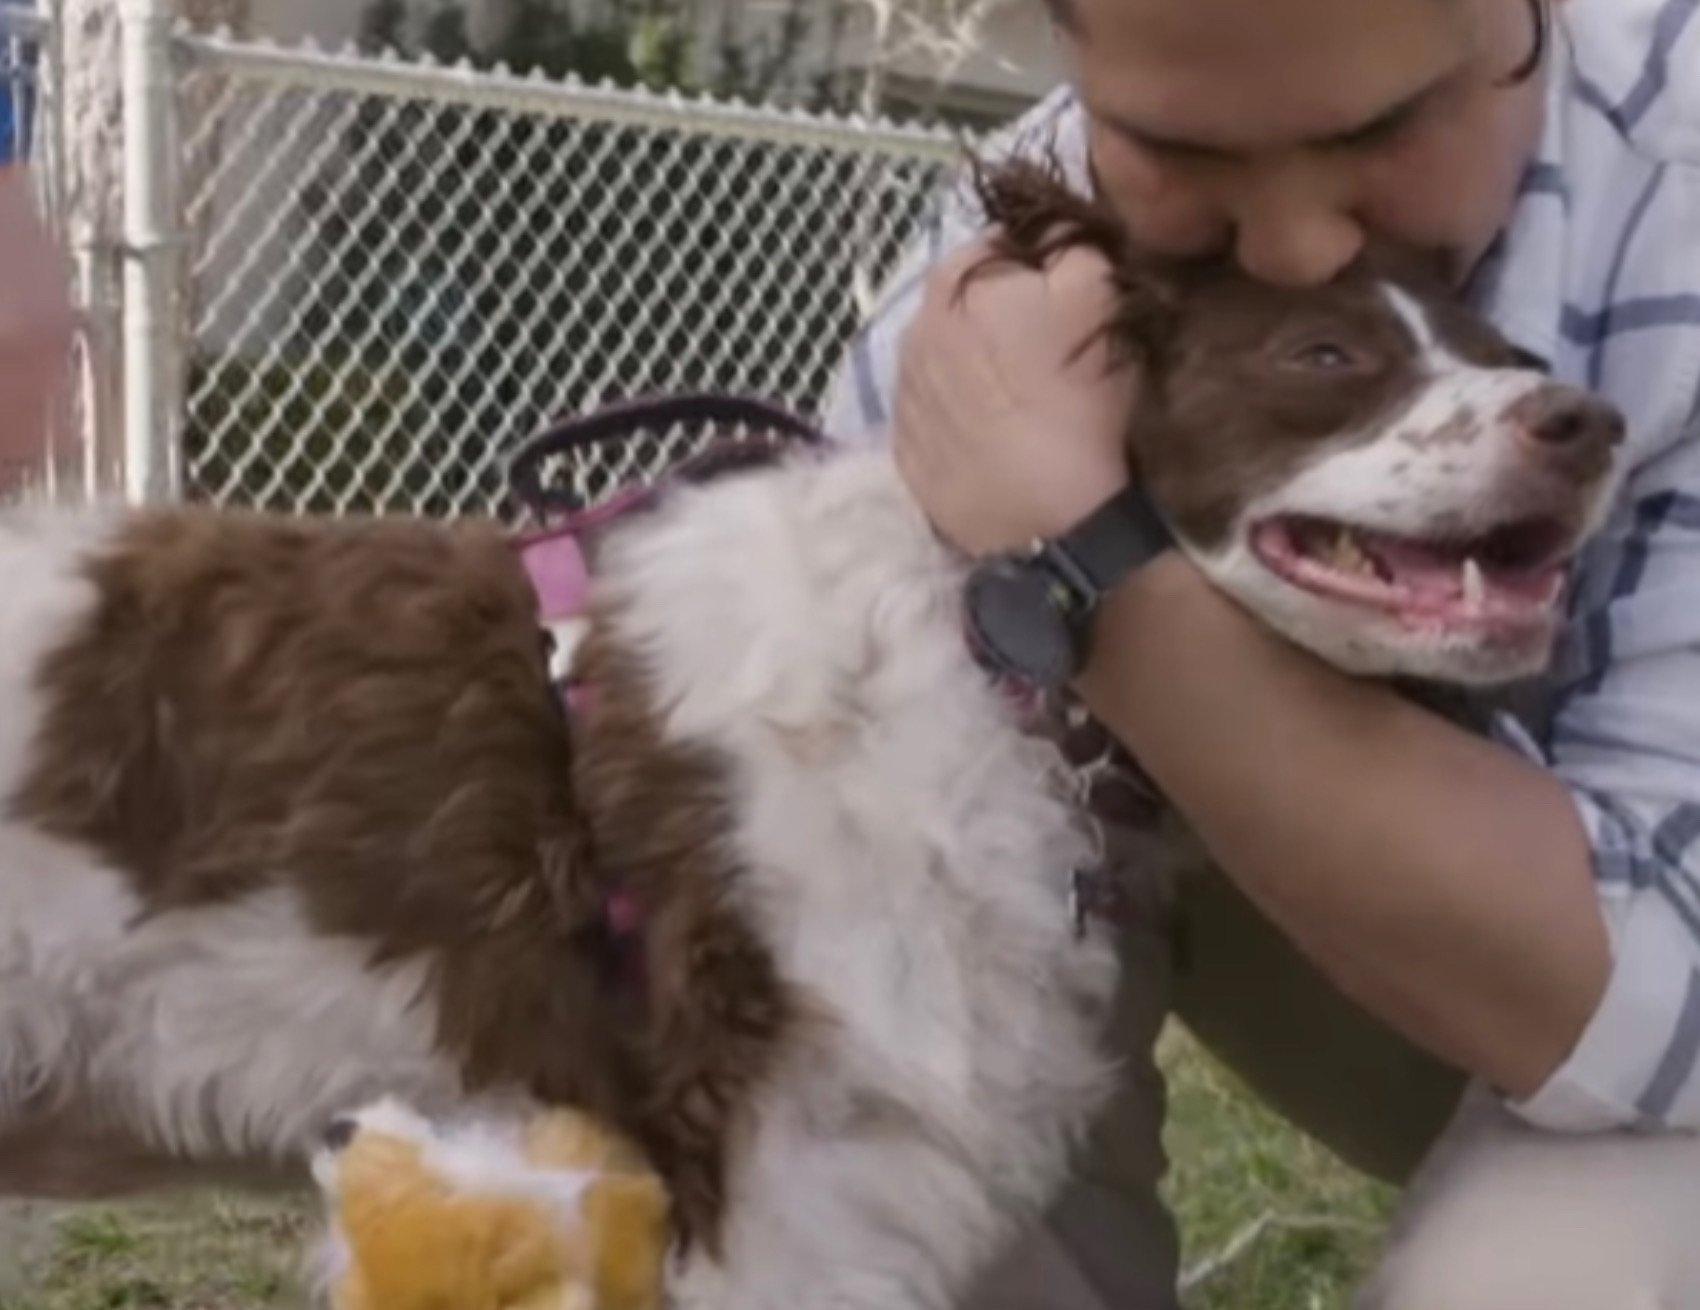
[{"x": 1030, "y": 613}]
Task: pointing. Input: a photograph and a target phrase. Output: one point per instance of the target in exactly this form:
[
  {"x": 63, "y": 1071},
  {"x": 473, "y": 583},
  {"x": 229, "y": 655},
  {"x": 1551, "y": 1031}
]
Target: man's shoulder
[
  {"x": 1600, "y": 269},
  {"x": 1054, "y": 125},
  {"x": 1636, "y": 63}
]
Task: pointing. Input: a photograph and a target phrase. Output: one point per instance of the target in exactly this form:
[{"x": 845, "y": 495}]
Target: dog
[{"x": 294, "y": 819}]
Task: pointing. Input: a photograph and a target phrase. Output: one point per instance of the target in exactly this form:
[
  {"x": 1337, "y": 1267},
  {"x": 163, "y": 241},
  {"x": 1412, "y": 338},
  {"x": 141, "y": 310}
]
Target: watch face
[{"x": 1019, "y": 623}]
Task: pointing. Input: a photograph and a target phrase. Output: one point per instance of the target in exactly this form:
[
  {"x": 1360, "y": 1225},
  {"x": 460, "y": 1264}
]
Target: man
[{"x": 1403, "y": 909}]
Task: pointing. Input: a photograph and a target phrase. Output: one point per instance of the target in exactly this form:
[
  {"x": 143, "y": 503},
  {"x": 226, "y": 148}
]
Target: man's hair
[{"x": 1063, "y": 15}]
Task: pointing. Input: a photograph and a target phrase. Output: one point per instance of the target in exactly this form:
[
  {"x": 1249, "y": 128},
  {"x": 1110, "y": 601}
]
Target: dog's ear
[{"x": 1036, "y": 215}]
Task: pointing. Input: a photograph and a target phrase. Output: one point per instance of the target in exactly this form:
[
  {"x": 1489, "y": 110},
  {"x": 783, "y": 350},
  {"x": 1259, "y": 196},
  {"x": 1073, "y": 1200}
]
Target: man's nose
[{"x": 1293, "y": 226}]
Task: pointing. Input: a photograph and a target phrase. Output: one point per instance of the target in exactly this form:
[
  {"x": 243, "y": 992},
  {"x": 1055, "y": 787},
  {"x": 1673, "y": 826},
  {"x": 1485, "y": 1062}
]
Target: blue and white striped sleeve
[
  {"x": 1625, "y": 737},
  {"x": 857, "y": 411},
  {"x": 858, "y": 405},
  {"x": 1614, "y": 248}
]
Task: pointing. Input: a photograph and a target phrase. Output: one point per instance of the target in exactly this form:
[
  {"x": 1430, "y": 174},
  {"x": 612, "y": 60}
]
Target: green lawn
[
  {"x": 1300, "y": 1224},
  {"x": 1236, "y": 1171}
]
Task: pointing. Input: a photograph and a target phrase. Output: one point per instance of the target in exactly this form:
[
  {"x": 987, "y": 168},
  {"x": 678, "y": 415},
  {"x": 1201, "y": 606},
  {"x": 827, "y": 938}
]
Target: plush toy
[{"x": 556, "y": 1213}]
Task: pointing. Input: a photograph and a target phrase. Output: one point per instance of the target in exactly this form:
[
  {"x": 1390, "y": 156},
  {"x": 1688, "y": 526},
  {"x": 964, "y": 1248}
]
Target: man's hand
[
  {"x": 36, "y": 331},
  {"x": 1005, "y": 429}
]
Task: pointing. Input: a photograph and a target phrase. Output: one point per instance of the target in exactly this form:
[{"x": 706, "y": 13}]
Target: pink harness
[{"x": 557, "y": 557}]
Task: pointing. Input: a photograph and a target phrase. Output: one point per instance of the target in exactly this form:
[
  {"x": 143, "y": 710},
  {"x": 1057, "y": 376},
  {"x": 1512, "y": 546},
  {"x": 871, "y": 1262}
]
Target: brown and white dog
[{"x": 293, "y": 821}]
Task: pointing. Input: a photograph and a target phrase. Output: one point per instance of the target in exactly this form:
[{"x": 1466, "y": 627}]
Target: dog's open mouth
[{"x": 1504, "y": 578}]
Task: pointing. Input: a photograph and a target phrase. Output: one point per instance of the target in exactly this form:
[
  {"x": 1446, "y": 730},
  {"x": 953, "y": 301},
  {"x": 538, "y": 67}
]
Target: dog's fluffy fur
[
  {"x": 836, "y": 826},
  {"x": 293, "y": 822}
]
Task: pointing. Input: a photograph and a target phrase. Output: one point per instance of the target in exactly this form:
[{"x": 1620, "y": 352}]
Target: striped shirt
[{"x": 1598, "y": 271}]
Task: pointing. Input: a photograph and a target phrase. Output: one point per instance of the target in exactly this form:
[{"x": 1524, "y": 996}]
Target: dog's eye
[{"x": 1322, "y": 356}]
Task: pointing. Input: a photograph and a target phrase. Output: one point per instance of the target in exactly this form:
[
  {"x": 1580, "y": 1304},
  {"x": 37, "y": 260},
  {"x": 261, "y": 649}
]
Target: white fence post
[{"x": 153, "y": 379}]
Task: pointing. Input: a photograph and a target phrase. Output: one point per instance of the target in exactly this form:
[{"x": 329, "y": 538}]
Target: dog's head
[{"x": 1366, "y": 465}]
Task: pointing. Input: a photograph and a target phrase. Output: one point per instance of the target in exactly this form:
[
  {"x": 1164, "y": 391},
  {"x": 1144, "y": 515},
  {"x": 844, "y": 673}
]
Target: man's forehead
[{"x": 1247, "y": 74}]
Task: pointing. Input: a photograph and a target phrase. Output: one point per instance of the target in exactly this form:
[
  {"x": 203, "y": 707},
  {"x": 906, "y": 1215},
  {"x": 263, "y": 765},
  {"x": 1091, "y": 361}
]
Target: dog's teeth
[
  {"x": 1348, "y": 555},
  {"x": 1475, "y": 587}
]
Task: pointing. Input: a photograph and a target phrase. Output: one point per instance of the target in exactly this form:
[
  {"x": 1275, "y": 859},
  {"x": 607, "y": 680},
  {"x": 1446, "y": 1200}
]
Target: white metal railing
[
  {"x": 343, "y": 71},
  {"x": 152, "y": 365}
]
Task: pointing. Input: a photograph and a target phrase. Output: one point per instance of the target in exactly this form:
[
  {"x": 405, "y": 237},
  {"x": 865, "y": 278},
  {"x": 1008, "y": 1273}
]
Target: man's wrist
[
  {"x": 1070, "y": 511},
  {"x": 1033, "y": 612},
  {"x": 1144, "y": 597}
]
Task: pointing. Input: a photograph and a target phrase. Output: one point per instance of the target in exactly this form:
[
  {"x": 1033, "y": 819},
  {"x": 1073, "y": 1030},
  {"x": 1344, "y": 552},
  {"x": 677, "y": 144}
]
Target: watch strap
[{"x": 1118, "y": 537}]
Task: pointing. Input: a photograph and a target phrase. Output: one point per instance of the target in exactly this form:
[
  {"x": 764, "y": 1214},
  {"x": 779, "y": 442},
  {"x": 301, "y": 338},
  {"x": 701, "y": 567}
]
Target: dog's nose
[
  {"x": 339, "y": 1133},
  {"x": 1569, "y": 425}
]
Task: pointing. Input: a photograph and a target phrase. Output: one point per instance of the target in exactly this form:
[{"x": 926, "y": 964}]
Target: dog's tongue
[
  {"x": 1441, "y": 577},
  {"x": 1421, "y": 569}
]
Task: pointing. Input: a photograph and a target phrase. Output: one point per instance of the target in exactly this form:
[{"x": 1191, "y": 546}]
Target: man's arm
[
  {"x": 1284, "y": 765},
  {"x": 1441, "y": 880},
  {"x": 1371, "y": 832},
  {"x": 1412, "y": 861},
  {"x": 1529, "y": 912}
]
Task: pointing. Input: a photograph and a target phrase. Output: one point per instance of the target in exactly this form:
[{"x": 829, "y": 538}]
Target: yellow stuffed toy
[{"x": 557, "y": 1213}]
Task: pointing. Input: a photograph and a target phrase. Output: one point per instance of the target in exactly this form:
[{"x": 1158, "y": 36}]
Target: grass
[
  {"x": 192, "y": 1253},
  {"x": 1303, "y": 1225},
  {"x": 1236, "y": 1171}
]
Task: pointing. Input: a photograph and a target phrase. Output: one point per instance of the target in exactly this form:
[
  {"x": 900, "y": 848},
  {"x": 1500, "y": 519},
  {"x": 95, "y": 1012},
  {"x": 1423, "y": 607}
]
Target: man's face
[{"x": 1287, "y": 129}]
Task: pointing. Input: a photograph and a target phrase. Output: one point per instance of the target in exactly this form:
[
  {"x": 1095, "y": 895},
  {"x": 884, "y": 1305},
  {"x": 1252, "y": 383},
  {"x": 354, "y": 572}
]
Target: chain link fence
[{"x": 396, "y": 271}]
